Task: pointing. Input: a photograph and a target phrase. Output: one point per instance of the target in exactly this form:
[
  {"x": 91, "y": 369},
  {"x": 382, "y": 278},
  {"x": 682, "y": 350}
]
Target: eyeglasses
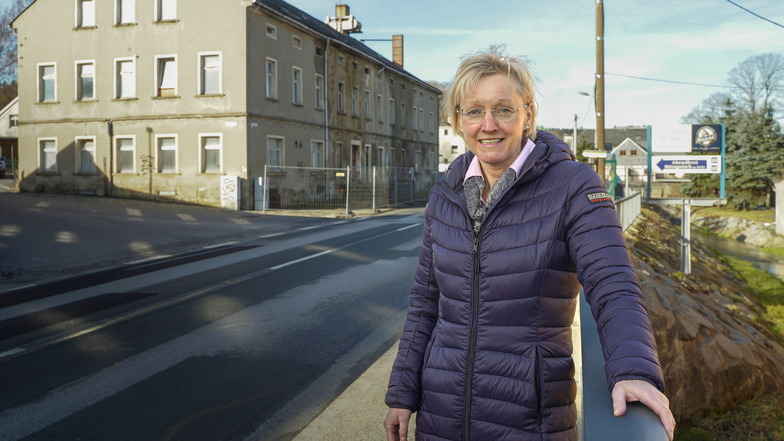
[{"x": 501, "y": 114}]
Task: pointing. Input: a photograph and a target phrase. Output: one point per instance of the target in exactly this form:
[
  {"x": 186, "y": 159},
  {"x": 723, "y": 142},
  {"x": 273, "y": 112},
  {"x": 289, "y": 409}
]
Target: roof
[
  {"x": 314, "y": 25},
  {"x": 629, "y": 143}
]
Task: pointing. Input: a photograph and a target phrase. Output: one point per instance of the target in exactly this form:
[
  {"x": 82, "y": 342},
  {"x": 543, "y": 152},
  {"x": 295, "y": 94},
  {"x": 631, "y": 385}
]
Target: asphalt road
[{"x": 253, "y": 336}]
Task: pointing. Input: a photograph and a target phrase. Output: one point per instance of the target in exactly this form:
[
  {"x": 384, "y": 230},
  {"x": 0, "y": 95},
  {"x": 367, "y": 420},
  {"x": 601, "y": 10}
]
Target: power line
[
  {"x": 723, "y": 86},
  {"x": 755, "y": 14}
]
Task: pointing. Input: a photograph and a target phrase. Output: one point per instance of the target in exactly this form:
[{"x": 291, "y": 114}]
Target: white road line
[
  {"x": 409, "y": 226},
  {"x": 271, "y": 235},
  {"x": 313, "y": 256}
]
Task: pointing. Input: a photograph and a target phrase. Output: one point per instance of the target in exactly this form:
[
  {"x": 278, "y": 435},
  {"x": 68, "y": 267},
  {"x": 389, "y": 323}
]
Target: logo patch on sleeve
[{"x": 599, "y": 197}]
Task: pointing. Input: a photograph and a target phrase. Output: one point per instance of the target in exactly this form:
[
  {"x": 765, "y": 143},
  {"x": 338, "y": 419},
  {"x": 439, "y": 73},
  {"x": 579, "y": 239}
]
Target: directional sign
[{"x": 687, "y": 164}]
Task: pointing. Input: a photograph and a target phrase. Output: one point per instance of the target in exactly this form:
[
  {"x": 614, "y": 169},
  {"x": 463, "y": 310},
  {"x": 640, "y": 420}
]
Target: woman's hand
[
  {"x": 396, "y": 424},
  {"x": 644, "y": 392}
]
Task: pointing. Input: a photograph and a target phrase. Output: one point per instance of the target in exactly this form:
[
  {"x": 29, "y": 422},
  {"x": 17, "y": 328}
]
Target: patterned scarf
[{"x": 473, "y": 189}]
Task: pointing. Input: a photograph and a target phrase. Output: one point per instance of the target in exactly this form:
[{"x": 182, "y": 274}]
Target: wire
[
  {"x": 723, "y": 86},
  {"x": 755, "y": 14}
]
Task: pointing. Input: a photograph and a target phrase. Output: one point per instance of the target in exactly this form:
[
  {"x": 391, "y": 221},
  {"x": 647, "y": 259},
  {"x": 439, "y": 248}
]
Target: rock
[
  {"x": 743, "y": 230},
  {"x": 714, "y": 352}
]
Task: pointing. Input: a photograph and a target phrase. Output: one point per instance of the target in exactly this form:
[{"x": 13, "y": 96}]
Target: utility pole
[{"x": 599, "y": 93}]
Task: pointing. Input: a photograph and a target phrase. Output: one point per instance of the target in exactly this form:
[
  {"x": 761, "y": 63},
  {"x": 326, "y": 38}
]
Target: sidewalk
[{"x": 358, "y": 413}]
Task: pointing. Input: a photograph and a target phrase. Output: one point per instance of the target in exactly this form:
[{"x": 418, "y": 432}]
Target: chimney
[
  {"x": 397, "y": 50},
  {"x": 343, "y": 21}
]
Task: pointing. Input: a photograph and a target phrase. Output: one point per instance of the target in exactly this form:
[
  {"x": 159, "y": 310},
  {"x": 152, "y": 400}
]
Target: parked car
[{"x": 2, "y": 168}]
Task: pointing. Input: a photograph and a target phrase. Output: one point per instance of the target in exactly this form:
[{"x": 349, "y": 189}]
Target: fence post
[
  {"x": 374, "y": 189},
  {"x": 348, "y": 186},
  {"x": 264, "y": 191}
]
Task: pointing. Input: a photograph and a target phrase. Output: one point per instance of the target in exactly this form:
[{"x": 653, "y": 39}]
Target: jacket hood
[{"x": 549, "y": 150}]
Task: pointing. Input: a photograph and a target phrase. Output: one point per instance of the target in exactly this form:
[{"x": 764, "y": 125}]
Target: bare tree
[
  {"x": 758, "y": 81},
  {"x": 8, "y": 48}
]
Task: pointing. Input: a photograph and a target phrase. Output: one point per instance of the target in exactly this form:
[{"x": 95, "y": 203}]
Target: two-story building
[{"x": 168, "y": 99}]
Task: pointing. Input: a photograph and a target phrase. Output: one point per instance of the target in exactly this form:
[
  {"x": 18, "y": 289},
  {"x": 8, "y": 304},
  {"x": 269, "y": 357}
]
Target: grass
[
  {"x": 760, "y": 419},
  {"x": 768, "y": 215}
]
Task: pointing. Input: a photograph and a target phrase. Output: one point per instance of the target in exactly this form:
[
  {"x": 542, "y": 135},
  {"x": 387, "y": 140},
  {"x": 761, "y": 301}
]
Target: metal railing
[
  {"x": 344, "y": 189},
  {"x": 596, "y": 421}
]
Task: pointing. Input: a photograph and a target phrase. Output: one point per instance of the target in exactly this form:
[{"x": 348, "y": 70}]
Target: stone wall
[
  {"x": 714, "y": 353},
  {"x": 743, "y": 230}
]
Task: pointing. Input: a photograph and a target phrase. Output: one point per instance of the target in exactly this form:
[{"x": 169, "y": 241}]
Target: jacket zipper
[{"x": 472, "y": 342}]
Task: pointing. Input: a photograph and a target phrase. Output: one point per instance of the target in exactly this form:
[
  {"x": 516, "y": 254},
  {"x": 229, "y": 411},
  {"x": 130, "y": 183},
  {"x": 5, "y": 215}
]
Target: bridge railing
[{"x": 596, "y": 421}]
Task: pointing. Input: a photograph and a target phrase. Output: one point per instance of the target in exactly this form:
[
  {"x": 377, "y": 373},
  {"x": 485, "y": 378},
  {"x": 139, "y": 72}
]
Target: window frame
[
  {"x": 160, "y": 9},
  {"x": 202, "y": 72},
  {"x": 281, "y": 149},
  {"x": 391, "y": 111},
  {"x": 159, "y": 165},
  {"x": 120, "y": 7},
  {"x": 342, "y": 97},
  {"x": 319, "y": 91},
  {"x": 118, "y": 76},
  {"x": 42, "y": 155},
  {"x": 296, "y": 41},
  {"x": 271, "y": 86},
  {"x": 368, "y": 105},
  {"x": 203, "y": 153},
  {"x": 355, "y": 101},
  {"x": 79, "y": 86},
  {"x": 159, "y": 78},
  {"x": 317, "y": 161},
  {"x": 80, "y": 15},
  {"x": 42, "y": 82},
  {"x": 271, "y": 31},
  {"x": 296, "y": 86},
  {"x": 78, "y": 142},
  {"x": 118, "y": 154}
]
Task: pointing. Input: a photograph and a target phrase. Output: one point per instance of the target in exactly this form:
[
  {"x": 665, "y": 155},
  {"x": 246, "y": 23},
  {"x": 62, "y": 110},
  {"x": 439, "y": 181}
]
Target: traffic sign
[{"x": 687, "y": 164}]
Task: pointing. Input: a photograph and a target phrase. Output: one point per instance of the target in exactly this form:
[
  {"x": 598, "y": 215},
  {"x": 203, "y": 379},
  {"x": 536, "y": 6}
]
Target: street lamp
[{"x": 574, "y": 133}]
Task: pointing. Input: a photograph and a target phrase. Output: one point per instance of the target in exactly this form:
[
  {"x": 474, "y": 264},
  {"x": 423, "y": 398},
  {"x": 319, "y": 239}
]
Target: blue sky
[{"x": 696, "y": 41}]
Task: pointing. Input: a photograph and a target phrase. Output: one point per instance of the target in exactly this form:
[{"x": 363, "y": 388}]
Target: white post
[
  {"x": 348, "y": 185},
  {"x": 374, "y": 188},
  {"x": 686, "y": 237}
]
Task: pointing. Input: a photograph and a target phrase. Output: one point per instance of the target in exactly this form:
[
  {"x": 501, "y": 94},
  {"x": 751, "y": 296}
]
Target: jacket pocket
[{"x": 538, "y": 385}]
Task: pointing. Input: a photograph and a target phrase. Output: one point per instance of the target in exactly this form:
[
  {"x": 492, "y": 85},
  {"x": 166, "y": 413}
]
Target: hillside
[{"x": 715, "y": 348}]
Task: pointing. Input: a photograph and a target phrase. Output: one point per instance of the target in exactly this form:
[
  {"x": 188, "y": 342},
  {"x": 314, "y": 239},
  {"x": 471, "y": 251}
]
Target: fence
[
  {"x": 350, "y": 188},
  {"x": 628, "y": 209}
]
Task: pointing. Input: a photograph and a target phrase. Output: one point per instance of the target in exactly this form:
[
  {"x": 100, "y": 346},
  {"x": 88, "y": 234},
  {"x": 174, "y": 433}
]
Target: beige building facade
[{"x": 188, "y": 100}]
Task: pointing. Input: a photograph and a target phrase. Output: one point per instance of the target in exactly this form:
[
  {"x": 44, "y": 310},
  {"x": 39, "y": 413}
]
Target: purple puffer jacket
[{"x": 486, "y": 349}]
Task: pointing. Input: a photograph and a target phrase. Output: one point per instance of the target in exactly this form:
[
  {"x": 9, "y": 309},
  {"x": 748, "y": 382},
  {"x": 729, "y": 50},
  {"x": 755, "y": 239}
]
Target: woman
[{"x": 511, "y": 233}]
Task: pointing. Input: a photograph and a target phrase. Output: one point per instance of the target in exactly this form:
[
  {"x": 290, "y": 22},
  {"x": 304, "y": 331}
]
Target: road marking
[
  {"x": 217, "y": 245},
  {"x": 309, "y": 228},
  {"x": 409, "y": 226},
  {"x": 313, "y": 256},
  {"x": 271, "y": 235}
]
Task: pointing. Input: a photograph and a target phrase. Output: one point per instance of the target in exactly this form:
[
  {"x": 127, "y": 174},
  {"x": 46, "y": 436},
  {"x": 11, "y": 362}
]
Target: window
[
  {"x": 354, "y": 101},
  {"x": 272, "y": 78},
  {"x": 272, "y": 31},
  {"x": 125, "y": 78},
  {"x": 296, "y": 85},
  {"x": 274, "y": 152},
  {"x": 392, "y": 111},
  {"x": 13, "y": 121},
  {"x": 430, "y": 122},
  {"x": 210, "y": 153},
  {"x": 125, "y": 154},
  {"x": 86, "y": 152},
  {"x": 342, "y": 97},
  {"x": 341, "y": 60},
  {"x": 421, "y": 119},
  {"x": 126, "y": 11},
  {"x": 47, "y": 83},
  {"x": 85, "y": 14},
  {"x": 368, "y": 104},
  {"x": 402, "y": 114},
  {"x": 166, "y": 76},
  {"x": 167, "y": 153},
  {"x": 296, "y": 42},
  {"x": 166, "y": 10},
  {"x": 392, "y": 157},
  {"x": 455, "y": 149},
  {"x": 85, "y": 81},
  {"x": 317, "y": 153},
  {"x": 415, "y": 114},
  {"x": 378, "y": 108},
  {"x": 623, "y": 152},
  {"x": 210, "y": 73},
  {"x": 338, "y": 149},
  {"x": 48, "y": 155},
  {"x": 380, "y": 158},
  {"x": 319, "y": 92},
  {"x": 634, "y": 153}
]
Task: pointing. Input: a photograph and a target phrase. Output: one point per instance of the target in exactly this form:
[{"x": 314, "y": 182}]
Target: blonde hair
[{"x": 489, "y": 62}]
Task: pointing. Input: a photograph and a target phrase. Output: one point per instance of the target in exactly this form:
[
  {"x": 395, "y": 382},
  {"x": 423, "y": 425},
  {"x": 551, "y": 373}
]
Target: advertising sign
[
  {"x": 706, "y": 138},
  {"x": 671, "y": 139}
]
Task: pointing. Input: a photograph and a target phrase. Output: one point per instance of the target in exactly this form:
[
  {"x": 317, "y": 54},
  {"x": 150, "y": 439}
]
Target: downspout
[{"x": 326, "y": 105}]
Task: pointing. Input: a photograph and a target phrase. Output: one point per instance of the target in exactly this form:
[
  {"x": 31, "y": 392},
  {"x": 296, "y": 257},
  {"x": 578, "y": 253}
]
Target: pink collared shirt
[{"x": 474, "y": 169}]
